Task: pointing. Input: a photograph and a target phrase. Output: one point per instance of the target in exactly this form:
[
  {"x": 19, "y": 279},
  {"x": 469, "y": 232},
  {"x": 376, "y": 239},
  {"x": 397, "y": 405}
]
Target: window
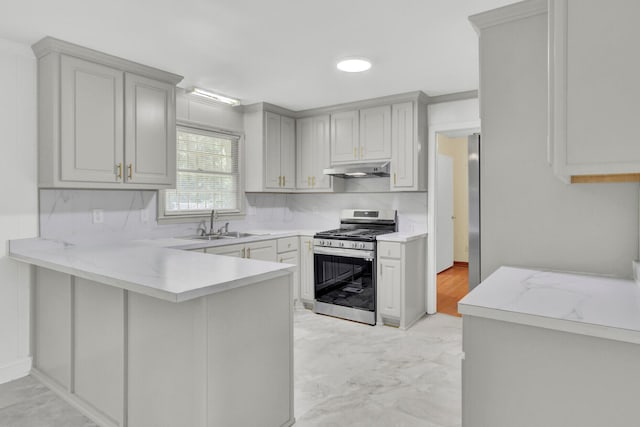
[{"x": 207, "y": 175}]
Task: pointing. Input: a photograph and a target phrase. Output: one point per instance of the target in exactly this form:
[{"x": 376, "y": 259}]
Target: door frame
[{"x": 471, "y": 127}]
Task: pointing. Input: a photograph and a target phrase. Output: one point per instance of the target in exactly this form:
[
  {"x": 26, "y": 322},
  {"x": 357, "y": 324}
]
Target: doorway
[{"x": 452, "y": 219}]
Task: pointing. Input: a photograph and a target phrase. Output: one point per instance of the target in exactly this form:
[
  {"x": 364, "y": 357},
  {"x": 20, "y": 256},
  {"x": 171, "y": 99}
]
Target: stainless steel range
[{"x": 345, "y": 264}]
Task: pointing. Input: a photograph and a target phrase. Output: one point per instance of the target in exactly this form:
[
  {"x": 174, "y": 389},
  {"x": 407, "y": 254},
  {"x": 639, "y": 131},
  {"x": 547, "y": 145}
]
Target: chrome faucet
[
  {"x": 225, "y": 227},
  {"x": 202, "y": 228},
  {"x": 214, "y": 216}
]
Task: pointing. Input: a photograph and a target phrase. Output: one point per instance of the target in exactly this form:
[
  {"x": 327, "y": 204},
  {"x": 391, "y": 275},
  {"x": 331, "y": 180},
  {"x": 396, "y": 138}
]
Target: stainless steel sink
[
  {"x": 236, "y": 234},
  {"x": 229, "y": 235}
]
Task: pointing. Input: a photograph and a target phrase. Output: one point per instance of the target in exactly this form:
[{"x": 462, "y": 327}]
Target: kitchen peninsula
[
  {"x": 543, "y": 348},
  {"x": 140, "y": 335}
]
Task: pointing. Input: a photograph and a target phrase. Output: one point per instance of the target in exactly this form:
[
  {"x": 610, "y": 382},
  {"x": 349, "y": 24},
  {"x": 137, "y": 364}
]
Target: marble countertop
[
  {"x": 147, "y": 267},
  {"x": 400, "y": 236},
  {"x": 585, "y": 304}
]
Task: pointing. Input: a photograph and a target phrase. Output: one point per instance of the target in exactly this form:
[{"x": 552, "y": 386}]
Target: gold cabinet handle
[
  {"x": 284, "y": 181},
  {"x": 130, "y": 167},
  {"x": 281, "y": 259},
  {"x": 248, "y": 252},
  {"x": 280, "y": 181},
  {"x": 243, "y": 252},
  {"x": 361, "y": 152},
  {"x": 309, "y": 244},
  {"x": 120, "y": 170},
  {"x": 313, "y": 181},
  {"x": 308, "y": 181},
  {"x": 395, "y": 180},
  {"x": 355, "y": 153}
]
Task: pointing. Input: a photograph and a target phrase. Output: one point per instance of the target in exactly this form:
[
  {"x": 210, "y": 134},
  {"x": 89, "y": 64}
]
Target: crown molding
[
  {"x": 512, "y": 12},
  {"x": 52, "y": 45}
]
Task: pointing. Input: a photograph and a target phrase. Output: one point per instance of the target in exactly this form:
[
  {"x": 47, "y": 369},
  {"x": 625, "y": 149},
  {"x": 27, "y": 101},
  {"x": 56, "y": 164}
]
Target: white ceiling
[{"x": 279, "y": 51}]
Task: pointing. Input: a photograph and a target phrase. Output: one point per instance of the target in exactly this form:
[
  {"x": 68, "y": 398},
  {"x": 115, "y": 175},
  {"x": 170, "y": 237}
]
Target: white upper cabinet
[
  {"x": 150, "y": 149},
  {"x": 103, "y": 122},
  {"x": 404, "y": 159},
  {"x": 91, "y": 121},
  {"x": 594, "y": 87},
  {"x": 345, "y": 142},
  {"x": 361, "y": 135},
  {"x": 390, "y": 130},
  {"x": 313, "y": 153},
  {"x": 280, "y": 151},
  {"x": 375, "y": 133}
]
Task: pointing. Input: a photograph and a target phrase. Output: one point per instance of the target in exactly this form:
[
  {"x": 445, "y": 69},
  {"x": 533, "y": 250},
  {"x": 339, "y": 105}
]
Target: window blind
[{"x": 207, "y": 173}]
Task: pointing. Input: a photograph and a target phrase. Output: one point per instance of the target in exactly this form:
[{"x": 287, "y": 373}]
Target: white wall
[
  {"x": 528, "y": 216},
  {"x": 18, "y": 201}
]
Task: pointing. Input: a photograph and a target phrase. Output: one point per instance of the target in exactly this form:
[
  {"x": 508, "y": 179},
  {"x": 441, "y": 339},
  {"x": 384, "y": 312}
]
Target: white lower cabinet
[
  {"x": 389, "y": 286},
  {"x": 401, "y": 282},
  {"x": 288, "y": 254},
  {"x": 264, "y": 250},
  {"x": 306, "y": 270}
]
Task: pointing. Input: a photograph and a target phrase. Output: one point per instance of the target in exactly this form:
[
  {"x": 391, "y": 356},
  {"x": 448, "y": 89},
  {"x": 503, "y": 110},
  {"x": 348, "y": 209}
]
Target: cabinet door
[
  {"x": 321, "y": 157},
  {"x": 304, "y": 152},
  {"x": 292, "y": 258},
  {"x": 265, "y": 251},
  {"x": 306, "y": 269},
  {"x": 237, "y": 251},
  {"x": 345, "y": 145},
  {"x": 375, "y": 133},
  {"x": 272, "y": 177},
  {"x": 150, "y": 143},
  {"x": 288, "y": 152},
  {"x": 594, "y": 87},
  {"x": 389, "y": 286},
  {"x": 91, "y": 121},
  {"x": 403, "y": 153}
]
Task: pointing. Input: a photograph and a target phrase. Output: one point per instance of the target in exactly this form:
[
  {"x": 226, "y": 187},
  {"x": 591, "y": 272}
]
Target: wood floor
[{"x": 453, "y": 284}]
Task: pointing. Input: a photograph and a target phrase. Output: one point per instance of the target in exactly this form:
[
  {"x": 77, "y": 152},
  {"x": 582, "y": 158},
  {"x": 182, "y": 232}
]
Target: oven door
[{"x": 345, "y": 277}]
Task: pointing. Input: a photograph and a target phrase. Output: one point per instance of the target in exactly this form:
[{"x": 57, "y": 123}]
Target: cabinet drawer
[
  {"x": 287, "y": 244},
  {"x": 389, "y": 250}
]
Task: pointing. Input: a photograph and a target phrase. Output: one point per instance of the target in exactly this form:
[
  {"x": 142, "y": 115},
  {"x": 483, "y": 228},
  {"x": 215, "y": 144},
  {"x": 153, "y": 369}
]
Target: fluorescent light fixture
[
  {"x": 355, "y": 174},
  {"x": 213, "y": 96},
  {"x": 354, "y": 65}
]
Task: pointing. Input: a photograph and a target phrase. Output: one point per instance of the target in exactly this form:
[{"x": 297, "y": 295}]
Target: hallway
[{"x": 453, "y": 284}]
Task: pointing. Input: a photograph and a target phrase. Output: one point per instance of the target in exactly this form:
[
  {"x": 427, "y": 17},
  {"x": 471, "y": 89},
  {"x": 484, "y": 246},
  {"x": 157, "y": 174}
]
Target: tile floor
[{"x": 346, "y": 374}]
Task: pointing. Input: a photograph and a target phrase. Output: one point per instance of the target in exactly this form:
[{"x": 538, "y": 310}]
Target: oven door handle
[{"x": 348, "y": 253}]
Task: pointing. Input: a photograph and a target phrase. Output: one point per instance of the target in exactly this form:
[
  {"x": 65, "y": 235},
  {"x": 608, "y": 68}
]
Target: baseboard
[
  {"x": 14, "y": 370},
  {"x": 460, "y": 264},
  {"x": 85, "y": 408}
]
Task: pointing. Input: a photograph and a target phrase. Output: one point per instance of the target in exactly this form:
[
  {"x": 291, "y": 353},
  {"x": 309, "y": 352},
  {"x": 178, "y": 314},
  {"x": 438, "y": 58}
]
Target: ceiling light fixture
[
  {"x": 213, "y": 96},
  {"x": 354, "y": 65}
]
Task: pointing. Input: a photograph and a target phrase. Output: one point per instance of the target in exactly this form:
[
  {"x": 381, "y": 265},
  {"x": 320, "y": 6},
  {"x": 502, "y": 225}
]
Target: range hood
[{"x": 362, "y": 170}]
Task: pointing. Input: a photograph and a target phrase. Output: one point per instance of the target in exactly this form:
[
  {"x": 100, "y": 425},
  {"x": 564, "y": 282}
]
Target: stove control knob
[
  {"x": 342, "y": 244},
  {"x": 361, "y": 245}
]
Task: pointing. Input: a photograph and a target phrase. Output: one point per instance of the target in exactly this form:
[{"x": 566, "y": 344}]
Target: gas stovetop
[{"x": 358, "y": 234}]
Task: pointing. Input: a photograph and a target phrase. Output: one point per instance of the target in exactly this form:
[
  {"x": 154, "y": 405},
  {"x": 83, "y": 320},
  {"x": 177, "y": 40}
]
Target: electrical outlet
[
  {"x": 144, "y": 216},
  {"x": 98, "y": 216}
]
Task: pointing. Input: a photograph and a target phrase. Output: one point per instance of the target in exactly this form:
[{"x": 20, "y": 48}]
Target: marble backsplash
[{"x": 132, "y": 214}]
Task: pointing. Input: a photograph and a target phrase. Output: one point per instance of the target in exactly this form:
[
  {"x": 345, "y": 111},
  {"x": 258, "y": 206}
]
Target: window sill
[{"x": 178, "y": 219}]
